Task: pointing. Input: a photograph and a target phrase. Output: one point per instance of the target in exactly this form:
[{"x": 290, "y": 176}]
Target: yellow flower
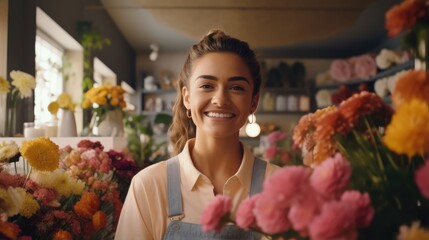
[
  {"x": 41, "y": 153},
  {"x": 65, "y": 101},
  {"x": 59, "y": 180},
  {"x": 4, "y": 86},
  {"x": 53, "y": 108},
  {"x": 414, "y": 232},
  {"x": 24, "y": 82},
  {"x": 29, "y": 206},
  {"x": 11, "y": 200},
  {"x": 8, "y": 150},
  {"x": 408, "y": 132}
]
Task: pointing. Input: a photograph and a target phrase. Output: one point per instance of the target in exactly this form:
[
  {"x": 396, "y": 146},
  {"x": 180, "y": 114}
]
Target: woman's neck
[{"x": 217, "y": 157}]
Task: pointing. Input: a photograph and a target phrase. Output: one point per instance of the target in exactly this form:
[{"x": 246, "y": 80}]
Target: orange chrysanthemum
[
  {"x": 411, "y": 85},
  {"x": 9, "y": 230},
  {"x": 304, "y": 130},
  {"x": 62, "y": 235},
  {"x": 408, "y": 133},
  {"x": 99, "y": 220},
  {"x": 404, "y": 16},
  {"x": 88, "y": 204},
  {"x": 361, "y": 104},
  {"x": 41, "y": 153}
]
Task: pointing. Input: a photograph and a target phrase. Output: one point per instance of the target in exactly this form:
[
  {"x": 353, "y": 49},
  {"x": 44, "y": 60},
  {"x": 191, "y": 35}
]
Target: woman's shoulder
[
  {"x": 271, "y": 168},
  {"x": 155, "y": 173}
]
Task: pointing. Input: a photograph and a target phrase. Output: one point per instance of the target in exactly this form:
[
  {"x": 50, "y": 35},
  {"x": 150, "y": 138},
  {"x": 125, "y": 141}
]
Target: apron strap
[
  {"x": 258, "y": 176},
  {"x": 175, "y": 211}
]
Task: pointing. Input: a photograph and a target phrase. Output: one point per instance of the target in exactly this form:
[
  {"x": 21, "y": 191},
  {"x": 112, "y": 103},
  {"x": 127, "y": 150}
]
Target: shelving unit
[{"x": 388, "y": 72}]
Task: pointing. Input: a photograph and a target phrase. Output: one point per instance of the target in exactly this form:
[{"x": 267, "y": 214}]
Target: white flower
[
  {"x": 392, "y": 80},
  {"x": 380, "y": 87},
  {"x": 4, "y": 86},
  {"x": 8, "y": 150},
  {"x": 386, "y": 58},
  {"x": 323, "y": 98},
  {"x": 16, "y": 199},
  {"x": 24, "y": 82}
]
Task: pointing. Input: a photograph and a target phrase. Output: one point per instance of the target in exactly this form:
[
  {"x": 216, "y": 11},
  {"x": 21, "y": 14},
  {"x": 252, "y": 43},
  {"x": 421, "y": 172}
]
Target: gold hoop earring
[
  {"x": 251, "y": 118},
  {"x": 188, "y": 113}
]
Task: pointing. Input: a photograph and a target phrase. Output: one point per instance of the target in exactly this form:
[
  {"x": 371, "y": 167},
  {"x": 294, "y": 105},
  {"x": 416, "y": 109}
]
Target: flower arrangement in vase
[
  {"x": 107, "y": 103},
  {"x": 366, "y": 171},
  {"x": 67, "y": 126},
  {"x": 22, "y": 87}
]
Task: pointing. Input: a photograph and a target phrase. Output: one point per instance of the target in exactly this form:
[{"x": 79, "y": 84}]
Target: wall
[
  {"x": 119, "y": 56},
  {"x": 3, "y": 57}
]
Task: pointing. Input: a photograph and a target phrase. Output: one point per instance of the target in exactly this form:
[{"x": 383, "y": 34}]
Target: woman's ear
[
  {"x": 185, "y": 96},
  {"x": 254, "y": 103}
]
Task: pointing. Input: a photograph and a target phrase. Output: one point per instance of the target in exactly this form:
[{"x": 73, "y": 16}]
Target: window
[{"x": 49, "y": 78}]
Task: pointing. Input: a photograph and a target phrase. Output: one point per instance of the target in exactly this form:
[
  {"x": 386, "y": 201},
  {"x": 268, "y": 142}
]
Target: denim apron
[{"x": 178, "y": 230}]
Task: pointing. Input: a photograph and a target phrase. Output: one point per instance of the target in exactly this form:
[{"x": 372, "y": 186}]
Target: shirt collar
[{"x": 192, "y": 174}]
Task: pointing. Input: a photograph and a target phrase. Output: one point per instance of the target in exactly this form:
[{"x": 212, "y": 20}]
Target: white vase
[
  {"x": 67, "y": 125},
  {"x": 112, "y": 125}
]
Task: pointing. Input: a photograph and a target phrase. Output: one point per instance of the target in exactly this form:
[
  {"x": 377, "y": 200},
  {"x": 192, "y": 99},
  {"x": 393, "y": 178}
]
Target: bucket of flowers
[{"x": 367, "y": 163}]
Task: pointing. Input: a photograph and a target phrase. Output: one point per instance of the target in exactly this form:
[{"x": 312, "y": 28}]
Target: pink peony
[
  {"x": 340, "y": 70},
  {"x": 365, "y": 67},
  {"x": 269, "y": 216},
  {"x": 244, "y": 216},
  {"x": 331, "y": 177},
  {"x": 270, "y": 153},
  {"x": 217, "y": 209},
  {"x": 361, "y": 204},
  {"x": 276, "y": 136},
  {"x": 422, "y": 179},
  {"x": 302, "y": 212},
  {"x": 287, "y": 184},
  {"x": 45, "y": 195},
  {"x": 336, "y": 221}
]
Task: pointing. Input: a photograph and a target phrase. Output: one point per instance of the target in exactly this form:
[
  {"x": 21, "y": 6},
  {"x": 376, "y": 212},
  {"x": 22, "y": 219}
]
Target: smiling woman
[{"x": 219, "y": 88}]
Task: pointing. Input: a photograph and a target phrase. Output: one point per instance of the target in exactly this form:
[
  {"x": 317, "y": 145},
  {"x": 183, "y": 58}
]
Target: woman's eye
[
  {"x": 205, "y": 86},
  {"x": 237, "y": 88}
]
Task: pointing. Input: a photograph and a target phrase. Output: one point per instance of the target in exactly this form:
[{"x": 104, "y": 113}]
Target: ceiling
[{"x": 295, "y": 28}]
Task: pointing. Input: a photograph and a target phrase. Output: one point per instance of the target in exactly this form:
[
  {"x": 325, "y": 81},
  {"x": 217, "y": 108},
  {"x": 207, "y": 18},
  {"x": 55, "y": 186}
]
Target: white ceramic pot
[
  {"x": 67, "y": 125},
  {"x": 112, "y": 125}
]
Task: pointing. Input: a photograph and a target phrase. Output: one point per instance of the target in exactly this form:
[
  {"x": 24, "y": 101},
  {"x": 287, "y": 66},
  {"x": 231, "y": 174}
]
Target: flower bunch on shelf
[
  {"x": 103, "y": 99},
  {"x": 67, "y": 194}
]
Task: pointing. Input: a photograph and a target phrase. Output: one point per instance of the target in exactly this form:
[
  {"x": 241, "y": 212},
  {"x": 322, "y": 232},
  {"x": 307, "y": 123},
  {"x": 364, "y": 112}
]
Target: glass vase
[{"x": 10, "y": 123}]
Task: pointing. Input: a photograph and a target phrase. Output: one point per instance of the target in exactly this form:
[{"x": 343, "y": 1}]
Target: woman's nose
[{"x": 220, "y": 98}]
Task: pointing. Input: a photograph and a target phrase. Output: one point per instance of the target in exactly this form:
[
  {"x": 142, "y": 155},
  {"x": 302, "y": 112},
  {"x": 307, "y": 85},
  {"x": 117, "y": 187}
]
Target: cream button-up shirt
[{"x": 145, "y": 211}]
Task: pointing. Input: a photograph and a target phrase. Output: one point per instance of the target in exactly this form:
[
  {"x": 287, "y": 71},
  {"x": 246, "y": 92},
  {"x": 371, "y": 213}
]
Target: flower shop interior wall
[
  {"x": 119, "y": 56},
  {"x": 3, "y": 49}
]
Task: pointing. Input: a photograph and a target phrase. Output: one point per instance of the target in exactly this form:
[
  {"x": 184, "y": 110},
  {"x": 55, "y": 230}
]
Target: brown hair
[{"x": 182, "y": 127}]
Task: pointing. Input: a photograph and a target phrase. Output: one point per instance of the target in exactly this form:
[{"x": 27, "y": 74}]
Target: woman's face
[{"x": 220, "y": 94}]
